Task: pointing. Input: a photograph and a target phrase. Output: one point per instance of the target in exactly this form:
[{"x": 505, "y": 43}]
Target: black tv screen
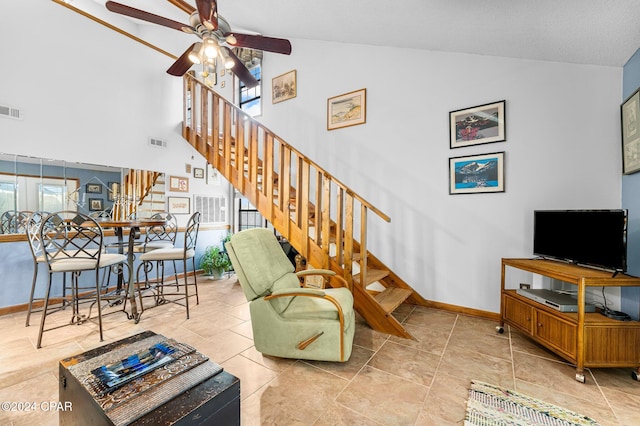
[{"x": 588, "y": 237}]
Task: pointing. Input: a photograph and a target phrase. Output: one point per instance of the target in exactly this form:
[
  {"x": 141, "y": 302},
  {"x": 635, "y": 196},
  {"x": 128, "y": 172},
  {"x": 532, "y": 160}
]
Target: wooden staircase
[
  {"x": 137, "y": 185},
  {"x": 323, "y": 219}
]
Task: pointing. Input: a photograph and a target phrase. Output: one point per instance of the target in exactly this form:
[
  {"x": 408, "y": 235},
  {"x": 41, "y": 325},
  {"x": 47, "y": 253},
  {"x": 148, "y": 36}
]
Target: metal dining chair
[
  {"x": 73, "y": 243},
  {"x": 175, "y": 254},
  {"x": 160, "y": 237},
  {"x": 32, "y": 231}
]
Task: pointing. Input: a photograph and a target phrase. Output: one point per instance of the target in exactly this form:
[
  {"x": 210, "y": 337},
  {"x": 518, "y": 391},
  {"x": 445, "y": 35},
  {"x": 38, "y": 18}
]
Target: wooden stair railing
[
  {"x": 136, "y": 186},
  {"x": 323, "y": 219}
]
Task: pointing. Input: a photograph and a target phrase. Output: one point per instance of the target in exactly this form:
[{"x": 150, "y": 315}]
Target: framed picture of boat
[
  {"x": 477, "y": 125},
  {"x": 630, "y": 115},
  {"x": 349, "y": 109},
  {"x": 476, "y": 174}
]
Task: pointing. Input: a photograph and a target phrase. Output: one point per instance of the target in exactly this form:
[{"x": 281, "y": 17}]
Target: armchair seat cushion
[{"x": 305, "y": 307}]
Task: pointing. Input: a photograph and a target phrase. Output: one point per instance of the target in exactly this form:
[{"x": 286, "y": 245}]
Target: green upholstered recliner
[{"x": 288, "y": 320}]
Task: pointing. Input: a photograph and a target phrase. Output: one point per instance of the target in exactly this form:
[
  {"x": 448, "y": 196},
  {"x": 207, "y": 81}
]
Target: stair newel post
[
  {"x": 348, "y": 239},
  {"x": 303, "y": 200},
  {"x": 203, "y": 142},
  {"x": 326, "y": 219}
]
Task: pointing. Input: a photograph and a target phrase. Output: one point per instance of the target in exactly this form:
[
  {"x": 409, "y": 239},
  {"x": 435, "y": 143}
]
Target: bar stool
[
  {"x": 161, "y": 255},
  {"x": 73, "y": 243},
  {"x": 32, "y": 231}
]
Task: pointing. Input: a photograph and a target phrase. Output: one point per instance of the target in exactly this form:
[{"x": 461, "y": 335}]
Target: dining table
[{"x": 133, "y": 225}]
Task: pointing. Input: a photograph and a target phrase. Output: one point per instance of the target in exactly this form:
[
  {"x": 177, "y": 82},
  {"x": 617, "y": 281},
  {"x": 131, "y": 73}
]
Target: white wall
[
  {"x": 562, "y": 148},
  {"x": 562, "y": 151}
]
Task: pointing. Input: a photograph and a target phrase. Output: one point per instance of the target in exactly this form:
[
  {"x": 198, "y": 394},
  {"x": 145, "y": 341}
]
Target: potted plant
[{"x": 214, "y": 262}]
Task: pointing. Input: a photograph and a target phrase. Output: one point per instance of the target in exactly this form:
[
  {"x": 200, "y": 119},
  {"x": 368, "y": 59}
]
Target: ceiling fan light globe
[
  {"x": 210, "y": 47},
  {"x": 195, "y": 55}
]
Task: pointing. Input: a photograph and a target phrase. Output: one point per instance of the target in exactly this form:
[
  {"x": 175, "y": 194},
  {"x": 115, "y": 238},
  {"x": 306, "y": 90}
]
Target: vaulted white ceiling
[{"x": 598, "y": 32}]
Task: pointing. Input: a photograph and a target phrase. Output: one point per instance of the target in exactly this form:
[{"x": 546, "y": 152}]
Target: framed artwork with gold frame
[{"x": 349, "y": 109}]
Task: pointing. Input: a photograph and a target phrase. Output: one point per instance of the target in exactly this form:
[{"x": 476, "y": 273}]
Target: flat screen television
[{"x": 586, "y": 237}]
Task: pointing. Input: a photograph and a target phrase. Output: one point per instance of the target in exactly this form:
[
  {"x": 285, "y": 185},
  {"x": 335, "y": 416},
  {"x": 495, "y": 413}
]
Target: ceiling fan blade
[
  {"x": 123, "y": 9},
  {"x": 242, "y": 72},
  {"x": 208, "y": 12},
  {"x": 183, "y": 5},
  {"x": 269, "y": 44},
  {"x": 182, "y": 64}
]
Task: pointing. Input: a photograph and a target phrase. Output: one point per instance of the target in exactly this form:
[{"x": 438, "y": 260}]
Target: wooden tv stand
[{"x": 582, "y": 338}]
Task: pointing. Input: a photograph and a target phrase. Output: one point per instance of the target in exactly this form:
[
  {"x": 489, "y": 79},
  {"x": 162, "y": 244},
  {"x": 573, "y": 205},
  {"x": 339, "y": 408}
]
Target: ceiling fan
[{"x": 216, "y": 35}]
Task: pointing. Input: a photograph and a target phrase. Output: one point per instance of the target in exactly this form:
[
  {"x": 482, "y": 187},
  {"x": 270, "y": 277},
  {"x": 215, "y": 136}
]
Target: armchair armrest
[
  {"x": 307, "y": 292},
  {"x": 323, "y": 272},
  {"x": 287, "y": 292}
]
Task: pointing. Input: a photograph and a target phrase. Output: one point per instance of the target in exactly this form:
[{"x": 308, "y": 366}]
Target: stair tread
[
  {"x": 372, "y": 276},
  {"x": 392, "y": 297}
]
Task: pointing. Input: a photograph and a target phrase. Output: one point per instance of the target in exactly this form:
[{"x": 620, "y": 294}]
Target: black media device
[{"x": 587, "y": 237}]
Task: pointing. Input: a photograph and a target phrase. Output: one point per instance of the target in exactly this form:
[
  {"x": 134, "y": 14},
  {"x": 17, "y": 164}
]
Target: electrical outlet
[{"x": 524, "y": 286}]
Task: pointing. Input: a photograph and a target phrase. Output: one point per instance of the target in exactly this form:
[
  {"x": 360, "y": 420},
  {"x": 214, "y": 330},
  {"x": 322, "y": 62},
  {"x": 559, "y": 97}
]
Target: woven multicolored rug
[{"x": 490, "y": 405}]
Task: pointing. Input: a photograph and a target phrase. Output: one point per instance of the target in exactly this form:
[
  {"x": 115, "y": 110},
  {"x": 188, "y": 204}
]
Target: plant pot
[{"x": 215, "y": 274}]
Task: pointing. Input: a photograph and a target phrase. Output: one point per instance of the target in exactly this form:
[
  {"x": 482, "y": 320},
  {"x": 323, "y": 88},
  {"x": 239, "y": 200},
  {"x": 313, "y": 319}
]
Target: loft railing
[{"x": 325, "y": 220}]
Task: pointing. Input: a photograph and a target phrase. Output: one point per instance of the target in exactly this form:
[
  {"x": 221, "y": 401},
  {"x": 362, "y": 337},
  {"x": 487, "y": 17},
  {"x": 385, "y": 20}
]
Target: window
[
  {"x": 52, "y": 197},
  {"x": 7, "y": 196},
  {"x": 250, "y": 98},
  {"x": 30, "y": 193},
  {"x": 249, "y": 216},
  {"x": 212, "y": 208}
]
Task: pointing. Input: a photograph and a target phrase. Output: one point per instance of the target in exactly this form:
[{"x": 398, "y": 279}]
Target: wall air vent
[
  {"x": 158, "y": 143},
  {"x": 9, "y": 112}
]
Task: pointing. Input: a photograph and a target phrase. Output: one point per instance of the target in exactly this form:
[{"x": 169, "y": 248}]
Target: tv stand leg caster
[
  {"x": 636, "y": 374},
  {"x": 580, "y": 376},
  {"x": 500, "y": 329}
]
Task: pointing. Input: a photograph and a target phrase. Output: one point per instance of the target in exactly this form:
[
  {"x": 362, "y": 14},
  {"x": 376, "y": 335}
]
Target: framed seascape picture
[
  {"x": 630, "y": 116},
  {"x": 347, "y": 110},
  {"x": 476, "y": 174},
  {"x": 477, "y": 125},
  {"x": 178, "y": 184},
  {"x": 179, "y": 205},
  {"x": 283, "y": 87},
  {"x": 94, "y": 188}
]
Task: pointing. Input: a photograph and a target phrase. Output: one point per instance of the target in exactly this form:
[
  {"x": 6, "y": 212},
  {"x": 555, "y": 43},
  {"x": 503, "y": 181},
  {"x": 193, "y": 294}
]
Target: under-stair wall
[{"x": 322, "y": 218}]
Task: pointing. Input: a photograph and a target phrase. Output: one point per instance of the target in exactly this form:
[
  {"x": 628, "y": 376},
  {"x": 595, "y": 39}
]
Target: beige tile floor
[{"x": 387, "y": 381}]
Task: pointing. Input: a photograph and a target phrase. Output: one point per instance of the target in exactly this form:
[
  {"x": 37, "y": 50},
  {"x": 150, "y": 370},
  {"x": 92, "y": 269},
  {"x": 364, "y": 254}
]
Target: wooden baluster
[
  {"x": 326, "y": 219},
  {"x": 348, "y": 239}
]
